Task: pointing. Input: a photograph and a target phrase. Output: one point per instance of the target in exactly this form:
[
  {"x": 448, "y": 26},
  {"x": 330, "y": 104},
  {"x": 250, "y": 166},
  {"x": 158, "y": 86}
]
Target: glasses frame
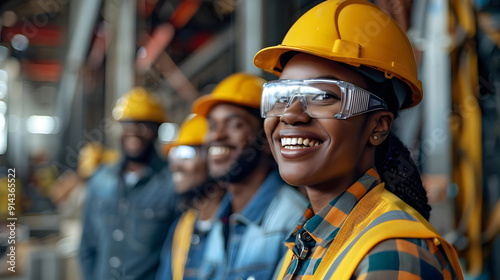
[{"x": 354, "y": 99}]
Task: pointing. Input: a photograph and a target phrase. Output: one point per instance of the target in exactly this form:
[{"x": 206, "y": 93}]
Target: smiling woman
[
  {"x": 242, "y": 240},
  {"x": 335, "y": 143},
  {"x": 328, "y": 121}
]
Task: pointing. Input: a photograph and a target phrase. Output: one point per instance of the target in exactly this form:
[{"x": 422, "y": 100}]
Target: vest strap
[
  {"x": 182, "y": 242},
  {"x": 287, "y": 260}
]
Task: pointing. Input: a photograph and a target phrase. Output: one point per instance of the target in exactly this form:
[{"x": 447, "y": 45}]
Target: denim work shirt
[
  {"x": 125, "y": 226},
  {"x": 254, "y": 243}
]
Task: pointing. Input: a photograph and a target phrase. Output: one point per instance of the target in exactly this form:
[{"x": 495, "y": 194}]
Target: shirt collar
[
  {"x": 257, "y": 206},
  {"x": 324, "y": 225}
]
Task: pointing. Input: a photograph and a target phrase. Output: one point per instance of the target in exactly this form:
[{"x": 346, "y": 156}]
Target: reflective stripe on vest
[
  {"x": 182, "y": 242},
  {"x": 378, "y": 216}
]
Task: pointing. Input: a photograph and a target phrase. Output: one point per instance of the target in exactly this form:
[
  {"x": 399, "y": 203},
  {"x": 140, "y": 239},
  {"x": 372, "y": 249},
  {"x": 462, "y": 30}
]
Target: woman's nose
[{"x": 295, "y": 111}]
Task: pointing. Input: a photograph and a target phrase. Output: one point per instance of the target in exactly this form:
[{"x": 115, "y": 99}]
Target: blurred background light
[
  {"x": 20, "y": 42},
  {"x": 168, "y": 132},
  {"x": 3, "y": 108},
  {"x": 42, "y": 124},
  {"x": 3, "y": 89},
  {"x": 9, "y": 18}
]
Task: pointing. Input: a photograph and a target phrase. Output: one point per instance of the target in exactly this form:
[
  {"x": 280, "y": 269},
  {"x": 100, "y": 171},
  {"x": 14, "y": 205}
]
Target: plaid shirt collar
[{"x": 324, "y": 226}]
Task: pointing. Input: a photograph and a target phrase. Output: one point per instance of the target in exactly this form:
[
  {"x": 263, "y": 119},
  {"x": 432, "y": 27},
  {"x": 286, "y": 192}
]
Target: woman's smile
[{"x": 296, "y": 143}]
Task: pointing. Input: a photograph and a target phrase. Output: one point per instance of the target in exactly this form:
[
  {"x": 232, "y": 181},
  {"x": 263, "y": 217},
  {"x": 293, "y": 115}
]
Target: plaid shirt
[{"x": 391, "y": 259}]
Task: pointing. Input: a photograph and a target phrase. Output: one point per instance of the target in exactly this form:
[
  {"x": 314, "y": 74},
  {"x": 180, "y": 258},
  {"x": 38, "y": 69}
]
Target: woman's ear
[{"x": 381, "y": 126}]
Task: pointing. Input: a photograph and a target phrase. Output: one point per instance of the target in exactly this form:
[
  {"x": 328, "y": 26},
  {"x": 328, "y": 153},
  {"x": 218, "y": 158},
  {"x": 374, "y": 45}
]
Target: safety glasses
[
  {"x": 320, "y": 98},
  {"x": 182, "y": 153}
]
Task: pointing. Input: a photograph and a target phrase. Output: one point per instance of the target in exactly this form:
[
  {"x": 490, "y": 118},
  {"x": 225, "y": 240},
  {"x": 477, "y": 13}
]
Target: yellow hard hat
[
  {"x": 192, "y": 131},
  {"x": 139, "y": 105},
  {"x": 91, "y": 156},
  {"x": 354, "y": 32},
  {"x": 240, "y": 89}
]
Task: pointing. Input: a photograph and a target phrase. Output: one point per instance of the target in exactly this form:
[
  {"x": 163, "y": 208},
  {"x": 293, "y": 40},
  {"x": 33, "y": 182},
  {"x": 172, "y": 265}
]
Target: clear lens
[
  {"x": 182, "y": 152},
  {"x": 320, "y": 98}
]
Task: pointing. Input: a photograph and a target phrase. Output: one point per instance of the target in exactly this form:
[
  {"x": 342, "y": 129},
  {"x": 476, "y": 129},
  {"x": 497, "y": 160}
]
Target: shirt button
[
  {"x": 118, "y": 235},
  {"x": 195, "y": 239},
  {"x": 115, "y": 262},
  {"x": 306, "y": 236}
]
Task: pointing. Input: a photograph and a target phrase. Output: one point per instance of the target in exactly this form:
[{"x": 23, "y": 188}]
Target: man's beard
[
  {"x": 244, "y": 165},
  {"x": 144, "y": 156},
  {"x": 194, "y": 196}
]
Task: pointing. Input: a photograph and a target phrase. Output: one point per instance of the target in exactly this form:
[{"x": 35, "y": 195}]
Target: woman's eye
[
  {"x": 282, "y": 99},
  {"x": 325, "y": 96}
]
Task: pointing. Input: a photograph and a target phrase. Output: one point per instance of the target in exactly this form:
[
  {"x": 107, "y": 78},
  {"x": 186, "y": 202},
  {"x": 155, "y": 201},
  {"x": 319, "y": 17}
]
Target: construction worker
[
  {"x": 130, "y": 205},
  {"x": 259, "y": 210},
  {"x": 199, "y": 195},
  {"x": 346, "y": 69},
  {"x": 188, "y": 163}
]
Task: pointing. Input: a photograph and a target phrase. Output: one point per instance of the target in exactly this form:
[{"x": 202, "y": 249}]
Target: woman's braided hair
[
  {"x": 401, "y": 175},
  {"x": 393, "y": 161}
]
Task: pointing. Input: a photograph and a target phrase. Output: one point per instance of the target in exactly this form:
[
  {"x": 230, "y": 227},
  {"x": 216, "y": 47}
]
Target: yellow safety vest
[
  {"x": 182, "y": 242},
  {"x": 378, "y": 216}
]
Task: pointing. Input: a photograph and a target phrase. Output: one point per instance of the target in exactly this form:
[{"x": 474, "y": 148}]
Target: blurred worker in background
[
  {"x": 198, "y": 194},
  {"x": 244, "y": 241},
  {"x": 187, "y": 160},
  {"x": 129, "y": 206},
  {"x": 341, "y": 85}
]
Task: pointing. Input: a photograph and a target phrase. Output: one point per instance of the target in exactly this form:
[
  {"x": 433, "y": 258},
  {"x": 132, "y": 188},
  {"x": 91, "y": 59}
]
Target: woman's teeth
[{"x": 298, "y": 143}]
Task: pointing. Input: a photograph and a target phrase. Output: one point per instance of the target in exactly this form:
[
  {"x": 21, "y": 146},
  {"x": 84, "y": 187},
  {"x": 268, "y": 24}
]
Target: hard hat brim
[
  {"x": 268, "y": 58},
  {"x": 204, "y": 104}
]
